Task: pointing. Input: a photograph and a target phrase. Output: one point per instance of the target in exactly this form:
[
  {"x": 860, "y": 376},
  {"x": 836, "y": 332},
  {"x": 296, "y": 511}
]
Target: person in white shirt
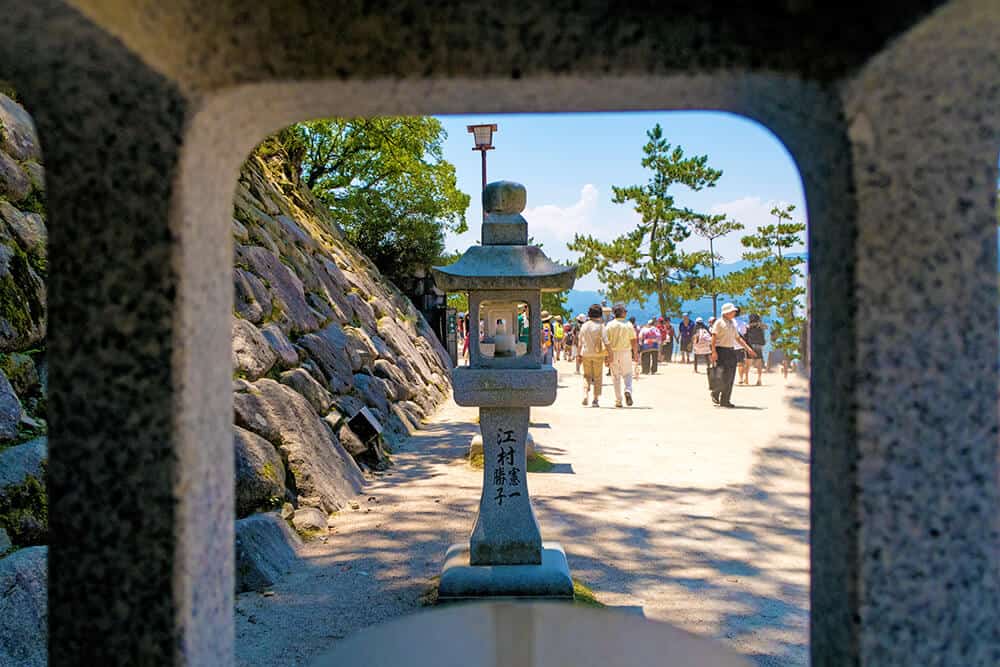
[
  {"x": 623, "y": 351},
  {"x": 591, "y": 353},
  {"x": 726, "y": 340}
]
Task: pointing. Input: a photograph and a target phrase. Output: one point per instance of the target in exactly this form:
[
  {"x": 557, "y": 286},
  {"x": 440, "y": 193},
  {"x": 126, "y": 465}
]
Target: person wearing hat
[
  {"x": 725, "y": 341},
  {"x": 623, "y": 350},
  {"x": 547, "y": 338},
  {"x": 591, "y": 353},
  {"x": 649, "y": 347}
]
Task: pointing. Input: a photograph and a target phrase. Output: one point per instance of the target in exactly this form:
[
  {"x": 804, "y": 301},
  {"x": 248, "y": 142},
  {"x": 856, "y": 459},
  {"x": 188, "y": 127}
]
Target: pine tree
[
  {"x": 647, "y": 261},
  {"x": 711, "y": 227},
  {"x": 770, "y": 281}
]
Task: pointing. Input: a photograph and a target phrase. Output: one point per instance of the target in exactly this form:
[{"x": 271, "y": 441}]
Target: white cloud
[
  {"x": 753, "y": 212},
  {"x": 555, "y": 226}
]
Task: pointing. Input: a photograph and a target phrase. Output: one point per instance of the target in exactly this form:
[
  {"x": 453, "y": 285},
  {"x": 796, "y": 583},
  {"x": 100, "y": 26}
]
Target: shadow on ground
[{"x": 749, "y": 560}]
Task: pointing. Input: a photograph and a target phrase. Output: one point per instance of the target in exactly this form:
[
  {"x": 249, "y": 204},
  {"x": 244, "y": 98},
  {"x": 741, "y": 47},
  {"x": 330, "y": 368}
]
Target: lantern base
[{"x": 461, "y": 581}]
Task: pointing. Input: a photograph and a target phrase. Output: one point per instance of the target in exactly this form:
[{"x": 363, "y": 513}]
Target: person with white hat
[{"x": 725, "y": 341}]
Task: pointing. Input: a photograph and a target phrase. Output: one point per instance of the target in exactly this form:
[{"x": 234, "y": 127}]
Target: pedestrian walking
[
  {"x": 591, "y": 353},
  {"x": 701, "y": 344},
  {"x": 548, "y": 340},
  {"x": 666, "y": 338},
  {"x": 755, "y": 337},
  {"x": 742, "y": 363},
  {"x": 581, "y": 319},
  {"x": 557, "y": 336},
  {"x": 725, "y": 341},
  {"x": 685, "y": 329},
  {"x": 623, "y": 351},
  {"x": 649, "y": 347}
]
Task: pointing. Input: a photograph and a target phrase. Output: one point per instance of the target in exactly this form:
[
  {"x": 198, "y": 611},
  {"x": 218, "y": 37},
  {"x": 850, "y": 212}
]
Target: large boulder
[
  {"x": 401, "y": 340},
  {"x": 18, "y": 138},
  {"x": 23, "y": 505},
  {"x": 390, "y": 372},
  {"x": 253, "y": 356},
  {"x": 260, "y": 472},
  {"x": 252, "y": 301},
  {"x": 321, "y": 472},
  {"x": 15, "y": 183},
  {"x": 21, "y": 372},
  {"x": 10, "y": 411},
  {"x": 373, "y": 391},
  {"x": 19, "y": 462},
  {"x": 276, "y": 338},
  {"x": 330, "y": 353},
  {"x": 302, "y": 382},
  {"x": 265, "y": 551},
  {"x": 309, "y": 520},
  {"x": 23, "y": 608},
  {"x": 22, "y": 302},
  {"x": 286, "y": 288},
  {"x": 27, "y": 228}
]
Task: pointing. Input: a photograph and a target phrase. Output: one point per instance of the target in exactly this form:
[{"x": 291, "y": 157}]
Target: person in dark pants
[
  {"x": 725, "y": 341},
  {"x": 649, "y": 347}
]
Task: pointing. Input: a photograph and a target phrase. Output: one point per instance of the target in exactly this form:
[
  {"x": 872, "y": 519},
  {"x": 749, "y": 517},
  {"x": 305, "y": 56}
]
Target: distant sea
[{"x": 578, "y": 301}]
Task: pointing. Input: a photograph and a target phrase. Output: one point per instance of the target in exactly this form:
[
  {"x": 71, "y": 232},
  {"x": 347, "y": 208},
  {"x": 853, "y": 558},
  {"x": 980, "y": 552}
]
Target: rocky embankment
[
  {"x": 23, "y": 379},
  {"x": 318, "y": 335}
]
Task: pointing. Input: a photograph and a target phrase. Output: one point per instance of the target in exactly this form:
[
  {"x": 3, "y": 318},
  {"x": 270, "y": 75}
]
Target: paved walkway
[{"x": 673, "y": 509}]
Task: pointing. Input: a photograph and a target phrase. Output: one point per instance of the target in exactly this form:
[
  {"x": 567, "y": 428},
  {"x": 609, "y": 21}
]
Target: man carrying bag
[{"x": 725, "y": 341}]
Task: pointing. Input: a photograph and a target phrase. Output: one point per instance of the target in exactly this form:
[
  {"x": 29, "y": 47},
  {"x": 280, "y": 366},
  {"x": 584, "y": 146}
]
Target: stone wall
[
  {"x": 318, "y": 334},
  {"x": 23, "y": 371}
]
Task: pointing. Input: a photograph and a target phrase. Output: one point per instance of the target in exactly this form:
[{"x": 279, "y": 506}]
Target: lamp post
[{"x": 483, "y": 136}]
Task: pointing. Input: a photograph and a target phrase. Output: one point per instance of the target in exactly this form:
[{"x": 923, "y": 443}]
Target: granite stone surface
[
  {"x": 506, "y": 530},
  {"x": 548, "y": 579},
  {"x": 145, "y": 110}
]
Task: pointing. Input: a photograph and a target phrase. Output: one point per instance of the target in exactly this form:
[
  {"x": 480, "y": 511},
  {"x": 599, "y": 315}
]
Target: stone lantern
[{"x": 505, "y": 278}]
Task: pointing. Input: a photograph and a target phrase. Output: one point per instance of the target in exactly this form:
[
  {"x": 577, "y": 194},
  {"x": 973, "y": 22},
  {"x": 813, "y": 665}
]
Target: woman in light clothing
[
  {"x": 591, "y": 354},
  {"x": 701, "y": 343},
  {"x": 623, "y": 351}
]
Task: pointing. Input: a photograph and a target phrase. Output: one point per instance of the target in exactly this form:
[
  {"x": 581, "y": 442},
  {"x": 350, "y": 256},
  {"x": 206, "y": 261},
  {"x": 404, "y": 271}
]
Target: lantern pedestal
[
  {"x": 505, "y": 278},
  {"x": 548, "y": 580}
]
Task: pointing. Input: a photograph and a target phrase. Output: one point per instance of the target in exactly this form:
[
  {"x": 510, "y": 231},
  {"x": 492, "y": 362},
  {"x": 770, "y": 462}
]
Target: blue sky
[{"x": 568, "y": 163}]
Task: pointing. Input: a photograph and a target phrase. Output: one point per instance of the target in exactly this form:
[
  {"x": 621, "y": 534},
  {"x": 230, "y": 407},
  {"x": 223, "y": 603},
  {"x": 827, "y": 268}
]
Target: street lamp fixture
[{"x": 483, "y": 136}]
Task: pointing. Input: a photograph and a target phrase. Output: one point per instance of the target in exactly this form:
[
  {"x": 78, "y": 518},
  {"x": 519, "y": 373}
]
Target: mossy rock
[{"x": 24, "y": 512}]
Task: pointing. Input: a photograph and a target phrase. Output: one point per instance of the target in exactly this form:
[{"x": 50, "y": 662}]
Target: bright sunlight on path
[{"x": 673, "y": 509}]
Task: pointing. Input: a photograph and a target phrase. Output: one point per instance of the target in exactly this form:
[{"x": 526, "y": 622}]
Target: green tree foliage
[
  {"x": 711, "y": 227},
  {"x": 647, "y": 261},
  {"x": 769, "y": 282},
  {"x": 385, "y": 182}
]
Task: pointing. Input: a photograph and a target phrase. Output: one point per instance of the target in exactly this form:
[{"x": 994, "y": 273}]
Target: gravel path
[{"x": 672, "y": 509}]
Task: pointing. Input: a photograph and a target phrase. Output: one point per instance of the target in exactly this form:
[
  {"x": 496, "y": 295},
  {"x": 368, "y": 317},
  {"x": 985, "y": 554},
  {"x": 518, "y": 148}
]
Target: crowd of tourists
[
  {"x": 724, "y": 347},
  {"x": 727, "y": 348}
]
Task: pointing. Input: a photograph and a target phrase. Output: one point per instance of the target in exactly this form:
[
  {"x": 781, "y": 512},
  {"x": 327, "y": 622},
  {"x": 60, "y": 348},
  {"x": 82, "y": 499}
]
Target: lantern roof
[{"x": 504, "y": 261}]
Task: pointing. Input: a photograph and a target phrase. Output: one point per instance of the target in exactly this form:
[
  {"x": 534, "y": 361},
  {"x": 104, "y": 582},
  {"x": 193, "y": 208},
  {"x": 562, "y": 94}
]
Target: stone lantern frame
[
  {"x": 533, "y": 358},
  {"x": 146, "y": 111}
]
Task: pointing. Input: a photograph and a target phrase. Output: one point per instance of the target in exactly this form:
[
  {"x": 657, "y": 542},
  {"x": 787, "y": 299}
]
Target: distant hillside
[{"x": 579, "y": 300}]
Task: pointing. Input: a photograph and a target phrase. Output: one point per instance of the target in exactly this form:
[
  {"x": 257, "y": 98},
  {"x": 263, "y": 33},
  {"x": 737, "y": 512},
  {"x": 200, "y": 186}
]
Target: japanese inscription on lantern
[{"x": 506, "y": 475}]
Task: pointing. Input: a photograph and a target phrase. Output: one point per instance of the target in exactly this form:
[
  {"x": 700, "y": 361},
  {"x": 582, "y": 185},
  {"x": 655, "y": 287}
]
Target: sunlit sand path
[{"x": 673, "y": 509}]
